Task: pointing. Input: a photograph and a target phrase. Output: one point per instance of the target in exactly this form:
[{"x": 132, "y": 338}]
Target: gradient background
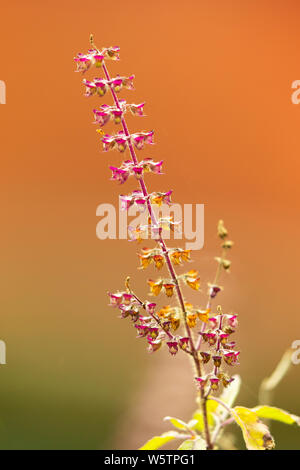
[{"x": 217, "y": 78}]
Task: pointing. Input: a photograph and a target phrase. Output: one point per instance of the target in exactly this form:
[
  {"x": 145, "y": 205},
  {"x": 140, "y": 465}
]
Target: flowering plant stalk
[{"x": 199, "y": 333}]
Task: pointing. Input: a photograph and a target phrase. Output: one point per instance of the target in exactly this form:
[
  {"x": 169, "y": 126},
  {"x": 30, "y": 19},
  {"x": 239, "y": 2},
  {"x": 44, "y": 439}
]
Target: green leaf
[
  {"x": 256, "y": 434},
  {"x": 158, "y": 441},
  {"x": 271, "y": 412},
  {"x": 193, "y": 444},
  {"x": 211, "y": 407},
  {"x": 177, "y": 423},
  {"x": 187, "y": 445}
]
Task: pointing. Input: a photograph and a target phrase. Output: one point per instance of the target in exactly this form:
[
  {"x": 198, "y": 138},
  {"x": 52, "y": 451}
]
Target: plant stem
[
  {"x": 209, "y": 302},
  {"x": 168, "y": 262},
  {"x": 219, "y": 427}
]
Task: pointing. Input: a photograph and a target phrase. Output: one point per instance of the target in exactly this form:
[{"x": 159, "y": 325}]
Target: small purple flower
[
  {"x": 214, "y": 382},
  {"x": 153, "y": 333},
  {"x": 137, "y": 109},
  {"x": 214, "y": 290},
  {"x": 101, "y": 86},
  {"x": 149, "y": 165},
  {"x": 205, "y": 356},
  {"x": 83, "y": 62},
  {"x": 211, "y": 338},
  {"x": 173, "y": 347},
  {"x": 141, "y": 138},
  {"x": 115, "y": 299},
  {"x": 118, "y": 83},
  {"x": 231, "y": 357},
  {"x": 183, "y": 342},
  {"x": 137, "y": 171},
  {"x": 101, "y": 116},
  {"x": 223, "y": 337},
  {"x": 90, "y": 88},
  {"x": 217, "y": 360},
  {"x": 201, "y": 381},
  {"x": 154, "y": 345},
  {"x": 226, "y": 380},
  {"x": 119, "y": 175},
  {"x": 136, "y": 197},
  {"x": 150, "y": 307},
  {"x": 214, "y": 321},
  {"x": 128, "y": 168},
  {"x": 232, "y": 321},
  {"x": 166, "y": 325},
  {"x": 142, "y": 330},
  {"x": 118, "y": 140},
  {"x": 127, "y": 298},
  {"x": 131, "y": 310},
  {"x": 94, "y": 57}
]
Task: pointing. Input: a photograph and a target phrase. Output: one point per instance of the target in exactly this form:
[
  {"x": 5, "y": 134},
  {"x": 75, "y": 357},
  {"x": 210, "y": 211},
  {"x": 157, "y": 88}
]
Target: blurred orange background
[{"x": 216, "y": 77}]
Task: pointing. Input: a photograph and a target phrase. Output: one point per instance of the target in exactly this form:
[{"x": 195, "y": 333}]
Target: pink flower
[
  {"x": 118, "y": 83},
  {"x": 232, "y": 320},
  {"x": 214, "y": 382},
  {"x": 183, "y": 342},
  {"x": 83, "y": 62},
  {"x": 149, "y": 165},
  {"x": 90, "y": 88},
  {"x": 111, "y": 141},
  {"x": 142, "y": 330},
  {"x": 223, "y": 337},
  {"x": 94, "y": 57},
  {"x": 127, "y": 298},
  {"x": 231, "y": 357},
  {"x": 201, "y": 381},
  {"x": 136, "y": 197},
  {"x": 141, "y": 138},
  {"x": 158, "y": 198},
  {"x": 102, "y": 116},
  {"x": 115, "y": 299},
  {"x": 137, "y": 109},
  {"x": 211, "y": 338},
  {"x": 154, "y": 345},
  {"x": 150, "y": 307},
  {"x": 119, "y": 297},
  {"x": 227, "y": 380},
  {"x": 214, "y": 321},
  {"x": 214, "y": 291},
  {"x": 109, "y": 112},
  {"x": 131, "y": 310},
  {"x": 119, "y": 175},
  {"x": 173, "y": 347},
  {"x": 128, "y": 168},
  {"x": 101, "y": 86},
  {"x": 153, "y": 332},
  {"x": 120, "y": 140}
]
